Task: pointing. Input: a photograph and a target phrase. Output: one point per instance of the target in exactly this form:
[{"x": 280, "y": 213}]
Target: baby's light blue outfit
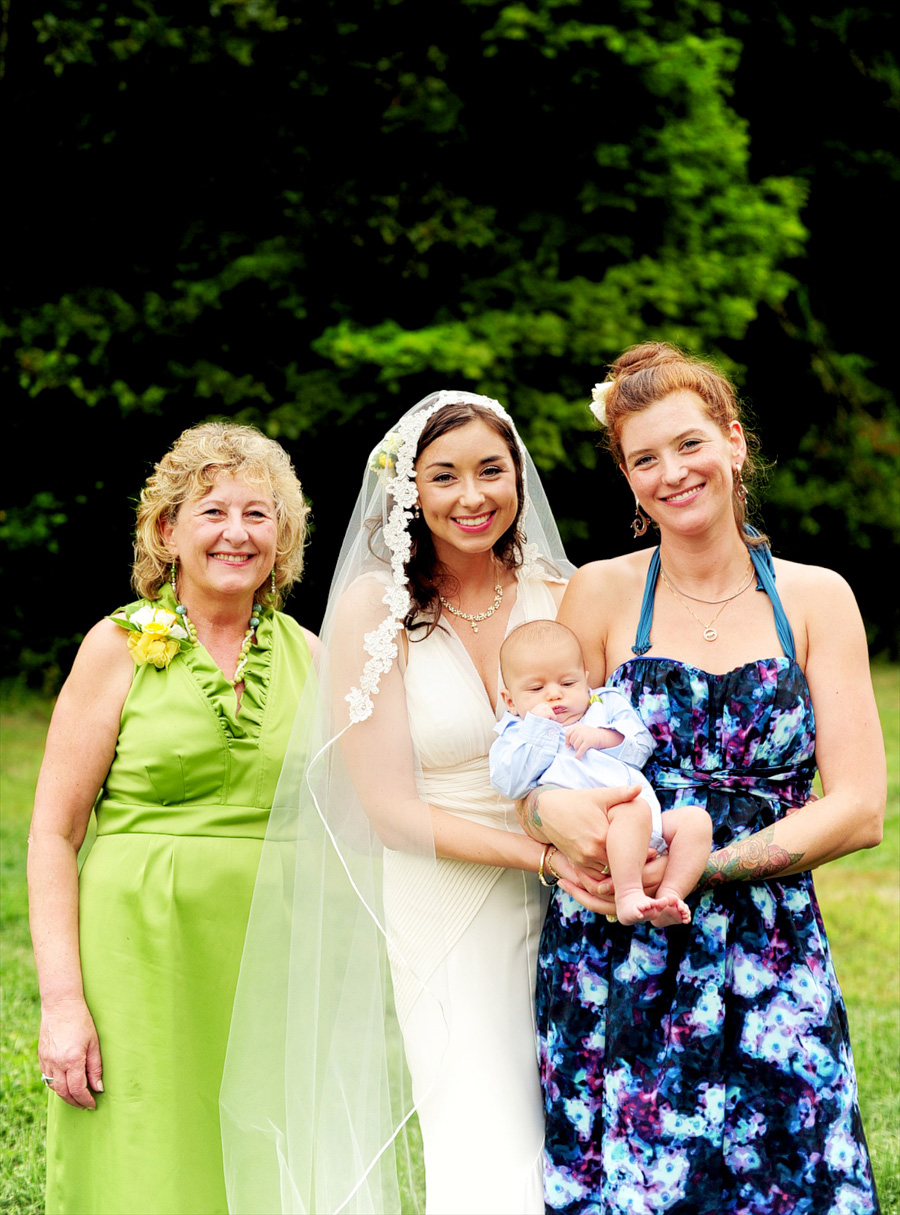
[{"x": 531, "y": 751}]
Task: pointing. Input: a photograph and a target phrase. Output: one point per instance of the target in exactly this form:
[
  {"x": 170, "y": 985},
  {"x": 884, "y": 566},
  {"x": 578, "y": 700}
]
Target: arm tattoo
[
  {"x": 527, "y": 810},
  {"x": 750, "y": 860}
]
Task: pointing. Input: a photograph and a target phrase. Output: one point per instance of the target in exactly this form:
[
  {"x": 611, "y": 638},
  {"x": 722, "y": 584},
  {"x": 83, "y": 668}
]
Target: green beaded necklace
[{"x": 246, "y": 644}]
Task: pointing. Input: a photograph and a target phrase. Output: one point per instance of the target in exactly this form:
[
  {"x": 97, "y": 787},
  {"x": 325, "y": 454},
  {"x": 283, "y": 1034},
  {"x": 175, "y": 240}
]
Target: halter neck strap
[{"x": 765, "y": 581}]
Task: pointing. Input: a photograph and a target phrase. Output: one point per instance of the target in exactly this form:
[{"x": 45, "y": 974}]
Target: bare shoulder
[
  {"x": 100, "y": 678},
  {"x": 823, "y": 613},
  {"x": 600, "y": 580},
  {"x": 813, "y": 590},
  {"x": 105, "y": 650},
  {"x": 365, "y": 597},
  {"x": 815, "y": 577},
  {"x": 602, "y": 600},
  {"x": 312, "y": 641}
]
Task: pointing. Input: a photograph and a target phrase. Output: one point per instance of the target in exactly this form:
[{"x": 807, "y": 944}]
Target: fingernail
[{"x": 604, "y": 887}]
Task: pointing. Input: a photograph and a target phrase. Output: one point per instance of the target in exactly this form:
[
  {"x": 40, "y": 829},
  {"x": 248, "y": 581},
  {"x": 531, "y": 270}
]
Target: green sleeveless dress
[{"x": 164, "y": 897}]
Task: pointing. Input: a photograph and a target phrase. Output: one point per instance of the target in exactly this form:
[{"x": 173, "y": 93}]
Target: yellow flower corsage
[{"x": 155, "y": 635}]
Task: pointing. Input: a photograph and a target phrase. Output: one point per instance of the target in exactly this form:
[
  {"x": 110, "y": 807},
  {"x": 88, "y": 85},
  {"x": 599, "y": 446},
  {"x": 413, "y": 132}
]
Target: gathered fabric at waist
[
  {"x": 465, "y": 790},
  {"x": 124, "y": 818},
  {"x": 775, "y": 784}
]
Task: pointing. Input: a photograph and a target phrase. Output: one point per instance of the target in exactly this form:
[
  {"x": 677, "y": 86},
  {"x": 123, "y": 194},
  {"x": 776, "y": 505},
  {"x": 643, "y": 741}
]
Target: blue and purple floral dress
[{"x": 705, "y": 1070}]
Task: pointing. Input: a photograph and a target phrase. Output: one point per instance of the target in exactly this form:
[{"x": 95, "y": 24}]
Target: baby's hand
[
  {"x": 586, "y": 738},
  {"x": 543, "y": 710}
]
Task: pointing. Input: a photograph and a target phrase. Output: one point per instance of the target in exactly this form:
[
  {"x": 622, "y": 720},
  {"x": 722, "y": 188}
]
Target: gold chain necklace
[
  {"x": 475, "y": 618},
  {"x": 709, "y": 633},
  {"x": 711, "y": 602}
]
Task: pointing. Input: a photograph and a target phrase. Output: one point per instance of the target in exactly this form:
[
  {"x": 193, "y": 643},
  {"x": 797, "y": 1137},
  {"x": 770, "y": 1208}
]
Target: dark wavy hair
[{"x": 425, "y": 578}]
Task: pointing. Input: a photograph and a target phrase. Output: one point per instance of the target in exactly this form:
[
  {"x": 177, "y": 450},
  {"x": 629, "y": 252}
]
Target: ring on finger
[
  {"x": 605, "y": 870},
  {"x": 48, "y": 1080}
]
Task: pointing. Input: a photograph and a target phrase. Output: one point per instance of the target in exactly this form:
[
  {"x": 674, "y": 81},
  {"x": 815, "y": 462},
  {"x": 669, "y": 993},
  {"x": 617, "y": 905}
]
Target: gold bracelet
[
  {"x": 549, "y": 866},
  {"x": 549, "y": 849}
]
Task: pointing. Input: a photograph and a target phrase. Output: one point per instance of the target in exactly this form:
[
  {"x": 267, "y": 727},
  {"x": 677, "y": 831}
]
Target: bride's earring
[{"x": 417, "y": 511}]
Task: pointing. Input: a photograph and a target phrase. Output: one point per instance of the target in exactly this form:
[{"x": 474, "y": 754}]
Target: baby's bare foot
[
  {"x": 670, "y": 910},
  {"x": 634, "y": 908}
]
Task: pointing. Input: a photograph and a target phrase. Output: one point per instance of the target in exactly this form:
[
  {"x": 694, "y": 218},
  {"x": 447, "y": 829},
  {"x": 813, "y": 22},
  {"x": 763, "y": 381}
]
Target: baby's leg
[
  {"x": 687, "y": 831},
  {"x": 627, "y": 842}
]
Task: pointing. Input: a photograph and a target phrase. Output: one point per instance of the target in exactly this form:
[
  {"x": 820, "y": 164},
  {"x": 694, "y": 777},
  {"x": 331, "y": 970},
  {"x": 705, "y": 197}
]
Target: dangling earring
[
  {"x": 273, "y": 581},
  {"x": 172, "y": 573},
  {"x": 417, "y": 511},
  {"x": 639, "y": 522},
  {"x": 740, "y": 489}
]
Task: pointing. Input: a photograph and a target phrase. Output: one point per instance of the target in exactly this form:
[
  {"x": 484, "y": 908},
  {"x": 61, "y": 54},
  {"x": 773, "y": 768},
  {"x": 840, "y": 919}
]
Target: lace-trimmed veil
[{"x": 317, "y": 1113}]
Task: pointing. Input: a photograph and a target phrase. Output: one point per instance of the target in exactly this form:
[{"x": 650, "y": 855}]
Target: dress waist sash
[
  {"x": 772, "y": 784},
  {"x": 191, "y": 819},
  {"x": 465, "y": 790}
]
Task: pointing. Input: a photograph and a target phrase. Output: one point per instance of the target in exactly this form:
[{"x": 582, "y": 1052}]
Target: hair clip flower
[
  {"x": 599, "y": 393},
  {"x": 155, "y": 635},
  {"x": 384, "y": 458}
]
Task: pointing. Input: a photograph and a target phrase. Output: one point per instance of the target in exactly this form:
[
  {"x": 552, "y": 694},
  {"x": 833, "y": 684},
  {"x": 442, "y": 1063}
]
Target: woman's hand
[
  {"x": 599, "y": 896},
  {"x": 69, "y": 1051},
  {"x": 576, "y": 821},
  {"x": 582, "y": 886}
]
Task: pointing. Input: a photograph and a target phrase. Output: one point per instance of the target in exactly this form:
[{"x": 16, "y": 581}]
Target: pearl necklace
[
  {"x": 246, "y": 644},
  {"x": 475, "y": 619}
]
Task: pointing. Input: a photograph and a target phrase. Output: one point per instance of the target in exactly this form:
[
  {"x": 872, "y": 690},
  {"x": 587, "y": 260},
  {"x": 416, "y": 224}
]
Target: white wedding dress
[{"x": 474, "y": 1071}]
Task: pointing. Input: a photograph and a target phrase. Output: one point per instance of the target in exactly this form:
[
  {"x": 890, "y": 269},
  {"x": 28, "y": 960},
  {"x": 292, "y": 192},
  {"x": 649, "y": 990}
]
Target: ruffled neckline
[{"x": 216, "y": 688}]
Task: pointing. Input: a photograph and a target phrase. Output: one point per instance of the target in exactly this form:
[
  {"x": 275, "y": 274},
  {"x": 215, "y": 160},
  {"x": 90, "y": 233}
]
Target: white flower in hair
[
  {"x": 383, "y": 459},
  {"x": 599, "y": 393}
]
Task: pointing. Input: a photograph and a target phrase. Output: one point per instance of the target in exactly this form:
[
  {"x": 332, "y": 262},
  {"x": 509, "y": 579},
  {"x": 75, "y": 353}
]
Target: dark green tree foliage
[{"x": 309, "y": 215}]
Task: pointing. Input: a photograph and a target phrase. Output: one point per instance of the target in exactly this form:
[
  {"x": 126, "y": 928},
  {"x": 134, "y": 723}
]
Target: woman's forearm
[
  {"x": 53, "y": 916},
  {"x": 529, "y": 813},
  {"x": 574, "y": 820},
  {"x": 457, "y": 838},
  {"x": 68, "y": 1047},
  {"x": 808, "y": 836},
  {"x": 754, "y": 859}
]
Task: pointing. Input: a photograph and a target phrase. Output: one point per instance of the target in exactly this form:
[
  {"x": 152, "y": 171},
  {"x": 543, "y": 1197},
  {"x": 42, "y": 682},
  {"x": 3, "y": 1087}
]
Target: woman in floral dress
[{"x": 707, "y": 1069}]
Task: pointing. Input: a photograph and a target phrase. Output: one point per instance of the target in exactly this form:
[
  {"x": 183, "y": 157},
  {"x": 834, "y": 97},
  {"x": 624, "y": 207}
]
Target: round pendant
[
  {"x": 710, "y": 633},
  {"x": 474, "y": 628}
]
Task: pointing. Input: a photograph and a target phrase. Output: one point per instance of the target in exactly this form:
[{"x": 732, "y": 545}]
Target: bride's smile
[{"x": 467, "y": 489}]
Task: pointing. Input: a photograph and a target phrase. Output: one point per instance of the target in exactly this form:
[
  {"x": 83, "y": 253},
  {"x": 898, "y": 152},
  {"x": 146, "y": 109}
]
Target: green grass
[
  {"x": 23, "y": 1098},
  {"x": 860, "y": 898}
]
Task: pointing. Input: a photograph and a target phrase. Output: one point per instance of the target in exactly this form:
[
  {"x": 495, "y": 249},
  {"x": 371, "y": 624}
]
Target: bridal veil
[{"x": 316, "y": 1104}]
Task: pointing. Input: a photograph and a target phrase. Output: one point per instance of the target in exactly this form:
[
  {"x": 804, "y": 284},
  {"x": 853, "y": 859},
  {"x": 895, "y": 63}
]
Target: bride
[{"x": 414, "y": 905}]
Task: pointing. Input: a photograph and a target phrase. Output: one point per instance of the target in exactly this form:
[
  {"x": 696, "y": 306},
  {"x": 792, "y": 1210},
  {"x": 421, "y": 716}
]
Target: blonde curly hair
[{"x": 189, "y": 470}]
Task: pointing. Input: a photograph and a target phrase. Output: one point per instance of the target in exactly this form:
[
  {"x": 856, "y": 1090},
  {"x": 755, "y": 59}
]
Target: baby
[{"x": 558, "y": 732}]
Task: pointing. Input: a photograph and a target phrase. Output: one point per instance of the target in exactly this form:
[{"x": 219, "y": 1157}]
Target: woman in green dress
[{"x": 173, "y": 725}]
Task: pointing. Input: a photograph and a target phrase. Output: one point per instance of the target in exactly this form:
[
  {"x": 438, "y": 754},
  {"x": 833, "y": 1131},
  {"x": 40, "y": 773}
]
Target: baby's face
[{"x": 552, "y": 679}]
